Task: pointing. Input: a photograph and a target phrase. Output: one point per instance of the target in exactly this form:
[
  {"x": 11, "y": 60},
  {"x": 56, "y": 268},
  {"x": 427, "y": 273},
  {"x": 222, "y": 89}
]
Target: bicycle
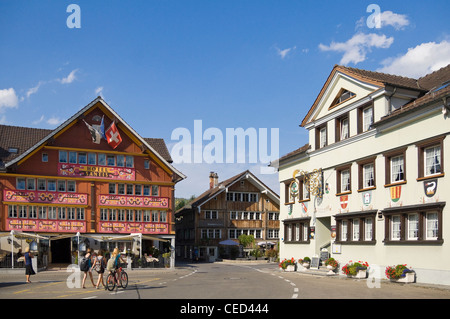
[{"x": 112, "y": 281}]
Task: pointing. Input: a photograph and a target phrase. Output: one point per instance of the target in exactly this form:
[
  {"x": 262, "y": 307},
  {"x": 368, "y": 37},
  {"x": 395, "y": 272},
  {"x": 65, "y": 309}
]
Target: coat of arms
[
  {"x": 430, "y": 187},
  {"x": 396, "y": 192},
  {"x": 344, "y": 201}
]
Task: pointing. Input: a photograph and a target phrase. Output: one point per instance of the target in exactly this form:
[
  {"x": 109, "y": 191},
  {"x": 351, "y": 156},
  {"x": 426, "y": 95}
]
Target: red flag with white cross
[{"x": 113, "y": 136}]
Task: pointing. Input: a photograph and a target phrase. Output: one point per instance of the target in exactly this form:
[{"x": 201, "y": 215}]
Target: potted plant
[
  {"x": 356, "y": 269},
  {"x": 287, "y": 264},
  {"x": 400, "y": 273},
  {"x": 305, "y": 262},
  {"x": 331, "y": 263}
]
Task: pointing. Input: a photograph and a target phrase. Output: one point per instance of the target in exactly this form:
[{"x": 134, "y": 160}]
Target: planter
[
  {"x": 331, "y": 270},
  {"x": 290, "y": 268},
  {"x": 360, "y": 274},
  {"x": 305, "y": 265},
  {"x": 408, "y": 278}
]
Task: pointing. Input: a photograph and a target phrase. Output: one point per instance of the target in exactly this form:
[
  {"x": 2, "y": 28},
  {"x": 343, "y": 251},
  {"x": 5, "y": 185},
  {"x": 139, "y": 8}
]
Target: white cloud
[
  {"x": 34, "y": 90},
  {"x": 8, "y": 99},
  {"x": 285, "y": 52},
  {"x": 419, "y": 61},
  {"x": 99, "y": 91},
  {"x": 54, "y": 121},
  {"x": 3, "y": 120},
  {"x": 356, "y": 48},
  {"x": 398, "y": 21},
  {"x": 70, "y": 78},
  {"x": 39, "y": 121}
]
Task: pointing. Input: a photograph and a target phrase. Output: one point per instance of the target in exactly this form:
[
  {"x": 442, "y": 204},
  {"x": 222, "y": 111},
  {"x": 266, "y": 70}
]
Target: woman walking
[
  {"x": 87, "y": 269},
  {"x": 28, "y": 264},
  {"x": 99, "y": 266}
]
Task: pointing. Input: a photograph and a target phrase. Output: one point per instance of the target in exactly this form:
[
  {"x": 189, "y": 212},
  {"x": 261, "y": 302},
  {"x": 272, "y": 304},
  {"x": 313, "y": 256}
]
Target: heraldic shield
[{"x": 430, "y": 187}]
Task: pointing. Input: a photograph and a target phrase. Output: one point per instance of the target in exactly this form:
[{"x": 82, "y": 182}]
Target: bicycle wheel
[
  {"x": 124, "y": 279},
  {"x": 110, "y": 282}
]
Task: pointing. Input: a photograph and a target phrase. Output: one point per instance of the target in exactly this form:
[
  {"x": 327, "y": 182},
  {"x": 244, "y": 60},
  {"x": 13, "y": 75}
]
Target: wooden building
[
  {"x": 239, "y": 205},
  {"x": 93, "y": 176}
]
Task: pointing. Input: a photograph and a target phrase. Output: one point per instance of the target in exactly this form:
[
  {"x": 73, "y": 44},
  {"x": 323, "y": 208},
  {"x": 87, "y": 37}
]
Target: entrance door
[{"x": 61, "y": 251}]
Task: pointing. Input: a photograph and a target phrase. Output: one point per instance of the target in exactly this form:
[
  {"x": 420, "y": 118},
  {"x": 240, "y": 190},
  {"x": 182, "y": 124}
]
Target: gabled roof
[
  {"x": 30, "y": 139},
  {"x": 222, "y": 187},
  {"x": 376, "y": 79}
]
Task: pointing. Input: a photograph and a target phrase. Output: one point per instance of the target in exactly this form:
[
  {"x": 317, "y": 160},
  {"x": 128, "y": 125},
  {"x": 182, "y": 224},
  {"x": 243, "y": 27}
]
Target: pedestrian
[
  {"x": 28, "y": 264},
  {"x": 99, "y": 267},
  {"x": 87, "y": 270}
]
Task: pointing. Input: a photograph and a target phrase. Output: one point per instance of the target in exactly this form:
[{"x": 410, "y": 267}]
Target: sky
[{"x": 166, "y": 65}]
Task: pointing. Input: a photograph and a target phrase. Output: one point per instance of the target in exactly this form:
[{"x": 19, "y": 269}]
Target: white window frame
[
  {"x": 431, "y": 225},
  {"x": 396, "y": 224},
  {"x": 397, "y": 163},
  {"x": 413, "y": 226},
  {"x": 435, "y": 153}
]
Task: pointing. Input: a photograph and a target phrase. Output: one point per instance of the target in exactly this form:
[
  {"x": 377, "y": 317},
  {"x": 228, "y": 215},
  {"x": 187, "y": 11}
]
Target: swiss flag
[{"x": 112, "y": 136}]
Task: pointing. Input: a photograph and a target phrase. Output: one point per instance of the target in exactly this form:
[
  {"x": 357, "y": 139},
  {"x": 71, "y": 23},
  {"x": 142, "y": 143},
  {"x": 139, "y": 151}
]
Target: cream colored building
[{"x": 371, "y": 185}]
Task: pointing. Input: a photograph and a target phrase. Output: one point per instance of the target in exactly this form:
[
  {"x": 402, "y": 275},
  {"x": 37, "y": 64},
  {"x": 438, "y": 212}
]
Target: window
[
  {"x": 413, "y": 226},
  {"x": 130, "y": 189},
  {"x": 421, "y": 224},
  {"x": 52, "y": 213},
  {"x": 356, "y": 228},
  {"x": 395, "y": 227},
  {"x": 296, "y": 230},
  {"x": 72, "y": 157},
  {"x": 61, "y": 186},
  {"x": 431, "y": 163},
  {"x": 432, "y": 160},
  {"x": 92, "y": 159},
  {"x": 155, "y": 190},
  {"x": 71, "y": 213},
  {"x": 163, "y": 217},
  {"x": 42, "y": 212},
  {"x": 365, "y": 118},
  {"x": 211, "y": 214},
  {"x": 112, "y": 214},
  {"x": 32, "y": 212},
  {"x": 342, "y": 96},
  {"x": 112, "y": 188},
  {"x": 146, "y": 190},
  {"x": 12, "y": 211},
  {"x": 61, "y": 213},
  {"x": 31, "y": 184},
  {"x": 120, "y": 160},
  {"x": 103, "y": 214},
  {"x": 22, "y": 211},
  {"x": 155, "y": 216},
  {"x": 138, "y": 216},
  {"x": 342, "y": 128},
  {"x": 102, "y": 159},
  {"x": 121, "y": 189},
  {"x": 111, "y": 160},
  {"x": 147, "y": 216},
  {"x": 20, "y": 183},
  {"x": 366, "y": 178},
  {"x": 321, "y": 137},
  {"x": 138, "y": 190},
  {"x": 62, "y": 156},
  {"x": 71, "y": 186},
  {"x": 397, "y": 166},
  {"x": 304, "y": 191},
  {"x": 82, "y": 158},
  {"x": 432, "y": 223},
  {"x": 129, "y": 161},
  {"x": 146, "y": 164},
  {"x": 343, "y": 179},
  {"x": 51, "y": 185},
  {"x": 41, "y": 185},
  {"x": 44, "y": 157}
]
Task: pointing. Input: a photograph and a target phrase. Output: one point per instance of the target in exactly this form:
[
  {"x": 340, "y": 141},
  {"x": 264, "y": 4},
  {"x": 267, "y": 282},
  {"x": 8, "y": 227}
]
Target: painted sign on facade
[
  {"x": 101, "y": 172},
  {"x": 39, "y": 225},
  {"x": 126, "y": 228},
  {"x": 22, "y": 196},
  {"x": 134, "y": 201}
]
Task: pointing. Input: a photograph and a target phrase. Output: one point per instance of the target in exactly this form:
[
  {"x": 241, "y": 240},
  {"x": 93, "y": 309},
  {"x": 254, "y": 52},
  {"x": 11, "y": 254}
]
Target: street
[{"x": 234, "y": 281}]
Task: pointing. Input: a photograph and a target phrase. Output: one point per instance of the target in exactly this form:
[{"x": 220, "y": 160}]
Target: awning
[
  {"x": 229, "y": 242},
  {"x": 26, "y": 235}
]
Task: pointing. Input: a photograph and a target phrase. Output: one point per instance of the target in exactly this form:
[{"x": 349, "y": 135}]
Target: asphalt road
[{"x": 231, "y": 284}]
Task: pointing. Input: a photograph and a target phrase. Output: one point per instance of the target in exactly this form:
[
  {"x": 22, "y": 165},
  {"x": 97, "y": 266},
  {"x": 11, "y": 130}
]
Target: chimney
[{"x": 213, "y": 180}]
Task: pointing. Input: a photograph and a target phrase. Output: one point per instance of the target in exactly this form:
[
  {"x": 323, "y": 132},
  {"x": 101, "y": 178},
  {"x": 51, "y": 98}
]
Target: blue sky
[{"x": 163, "y": 64}]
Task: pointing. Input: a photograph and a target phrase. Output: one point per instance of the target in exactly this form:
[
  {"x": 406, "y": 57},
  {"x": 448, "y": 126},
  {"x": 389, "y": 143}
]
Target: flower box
[
  {"x": 290, "y": 268},
  {"x": 408, "y": 277},
  {"x": 361, "y": 274},
  {"x": 306, "y": 265}
]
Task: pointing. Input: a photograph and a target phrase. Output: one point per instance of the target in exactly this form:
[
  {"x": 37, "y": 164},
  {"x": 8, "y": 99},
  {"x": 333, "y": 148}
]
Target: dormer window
[
  {"x": 13, "y": 150},
  {"x": 342, "y": 96}
]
